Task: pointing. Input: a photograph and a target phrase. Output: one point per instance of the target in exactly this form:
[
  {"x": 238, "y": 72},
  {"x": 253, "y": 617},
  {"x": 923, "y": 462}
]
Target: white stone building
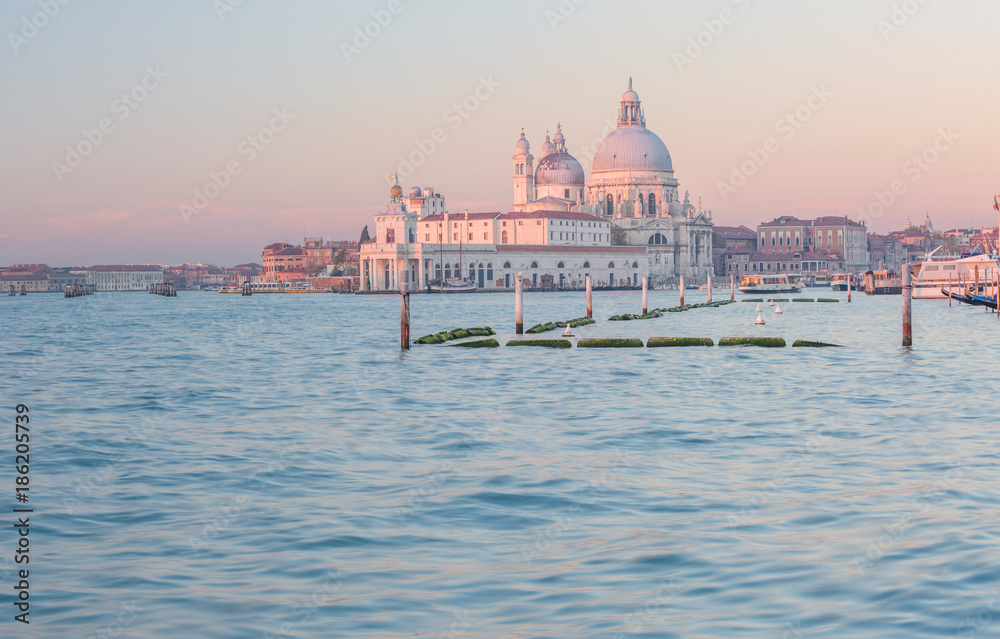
[
  {"x": 626, "y": 222},
  {"x": 124, "y": 277}
]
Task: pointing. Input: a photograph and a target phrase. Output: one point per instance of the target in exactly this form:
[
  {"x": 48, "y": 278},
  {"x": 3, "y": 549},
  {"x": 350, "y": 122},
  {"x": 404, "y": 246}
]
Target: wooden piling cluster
[
  {"x": 247, "y": 289},
  {"x": 166, "y": 290},
  {"x": 77, "y": 290},
  {"x": 11, "y": 291}
]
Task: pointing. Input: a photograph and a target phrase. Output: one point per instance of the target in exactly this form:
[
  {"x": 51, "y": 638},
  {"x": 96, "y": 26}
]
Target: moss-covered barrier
[
  {"x": 766, "y": 342},
  {"x": 542, "y": 343},
  {"x": 806, "y": 344},
  {"x": 609, "y": 343},
  {"x": 479, "y": 343},
  {"x": 665, "y": 342},
  {"x": 457, "y": 333},
  {"x": 779, "y": 301},
  {"x": 803, "y": 299},
  {"x": 827, "y": 300},
  {"x": 753, "y": 301},
  {"x": 551, "y": 326}
]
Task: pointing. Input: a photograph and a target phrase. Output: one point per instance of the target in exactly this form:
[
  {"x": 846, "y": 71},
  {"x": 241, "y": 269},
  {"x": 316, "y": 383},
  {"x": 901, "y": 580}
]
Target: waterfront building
[
  {"x": 31, "y": 283},
  {"x": 626, "y": 222},
  {"x": 825, "y": 245},
  {"x": 887, "y": 253},
  {"x": 122, "y": 277}
]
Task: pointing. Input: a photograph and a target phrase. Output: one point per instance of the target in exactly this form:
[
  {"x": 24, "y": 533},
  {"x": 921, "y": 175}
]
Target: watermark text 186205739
[{"x": 22, "y": 557}]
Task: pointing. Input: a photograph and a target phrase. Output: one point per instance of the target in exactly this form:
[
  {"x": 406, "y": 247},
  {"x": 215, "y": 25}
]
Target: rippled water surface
[{"x": 226, "y": 467}]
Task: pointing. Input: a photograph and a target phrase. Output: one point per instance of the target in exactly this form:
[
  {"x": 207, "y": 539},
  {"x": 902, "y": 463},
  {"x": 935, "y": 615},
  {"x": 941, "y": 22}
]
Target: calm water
[{"x": 226, "y": 467}]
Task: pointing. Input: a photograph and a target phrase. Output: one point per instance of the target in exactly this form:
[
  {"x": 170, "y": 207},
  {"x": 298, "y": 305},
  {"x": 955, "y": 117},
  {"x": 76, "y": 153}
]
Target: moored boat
[
  {"x": 933, "y": 277},
  {"x": 274, "y": 287},
  {"x": 783, "y": 283}
]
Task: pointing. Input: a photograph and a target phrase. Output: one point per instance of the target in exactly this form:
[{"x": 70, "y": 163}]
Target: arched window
[
  {"x": 611, "y": 264},
  {"x": 769, "y": 267},
  {"x": 472, "y": 268},
  {"x": 561, "y": 265},
  {"x": 657, "y": 238},
  {"x": 489, "y": 271},
  {"x": 437, "y": 272},
  {"x": 506, "y": 264},
  {"x": 652, "y": 205},
  {"x": 610, "y": 206},
  {"x": 503, "y": 237},
  {"x": 447, "y": 270},
  {"x": 534, "y": 265},
  {"x": 635, "y": 265},
  {"x": 586, "y": 265}
]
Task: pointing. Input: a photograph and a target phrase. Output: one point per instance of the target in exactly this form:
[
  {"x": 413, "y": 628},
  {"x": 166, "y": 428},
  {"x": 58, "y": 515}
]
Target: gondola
[{"x": 973, "y": 300}]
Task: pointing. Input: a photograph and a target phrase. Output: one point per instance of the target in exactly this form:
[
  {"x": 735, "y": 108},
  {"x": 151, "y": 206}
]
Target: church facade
[{"x": 624, "y": 223}]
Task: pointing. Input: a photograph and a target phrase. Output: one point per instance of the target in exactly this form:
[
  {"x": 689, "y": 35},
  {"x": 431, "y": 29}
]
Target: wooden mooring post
[
  {"x": 907, "y": 303},
  {"x": 848, "y": 288},
  {"x": 682, "y": 289},
  {"x": 732, "y": 288},
  {"x": 404, "y": 315},
  {"x": 518, "y": 305},
  {"x": 590, "y": 306},
  {"x": 709, "y": 288},
  {"x": 645, "y": 293}
]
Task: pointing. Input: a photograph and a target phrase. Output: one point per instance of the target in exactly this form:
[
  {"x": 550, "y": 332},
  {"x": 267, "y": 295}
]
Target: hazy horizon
[{"x": 309, "y": 117}]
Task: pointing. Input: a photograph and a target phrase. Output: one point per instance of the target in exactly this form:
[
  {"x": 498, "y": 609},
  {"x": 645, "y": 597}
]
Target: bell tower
[{"x": 524, "y": 172}]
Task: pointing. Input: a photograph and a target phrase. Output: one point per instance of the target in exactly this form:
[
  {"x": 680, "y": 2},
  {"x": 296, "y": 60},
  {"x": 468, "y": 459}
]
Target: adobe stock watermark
[
  {"x": 31, "y": 26},
  {"x": 223, "y": 7},
  {"x": 123, "y": 106},
  {"x": 118, "y": 626},
  {"x": 972, "y": 625},
  {"x": 305, "y": 608},
  {"x": 878, "y": 547},
  {"x": 915, "y": 168},
  {"x": 788, "y": 126},
  {"x": 454, "y": 116},
  {"x": 248, "y": 150},
  {"x": 366, "y": 33},
  {"x": 698, "y": 44},
  {"x": 563, "y": 11},
  {"x": 643, "y": 615},
  {"x": 901, "y": 15}
]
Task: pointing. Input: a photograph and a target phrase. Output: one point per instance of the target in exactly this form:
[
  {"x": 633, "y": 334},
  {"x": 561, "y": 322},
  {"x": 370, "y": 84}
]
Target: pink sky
[{"x": 213, "y": 83}]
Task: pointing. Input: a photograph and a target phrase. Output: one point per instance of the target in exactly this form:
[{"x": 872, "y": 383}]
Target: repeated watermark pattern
[
  {"x": 32, "y": 25},
  {"x": 914, "y": 168},
  {"x": 123, "y": 106},
  {"x": 972, "y": 625},
  {"x": 454, "y": 116},
  {"x": 225, "y": 7},
  {"x": 901, "y": 15},
  {"x": 787, "y": 127},
  {"x": 248, "y": 150},
  {"x": 641, "y": 616},
  {"x": 230, "y": 513},
  {"x": 86, "y": 487},
  {"x": 925, "y": 500},
  {"x": 365, "y": 34},
  {"x": 698, "y": 44},
  {"x": 307, "y": 606},
  {"x": 118, "y": 626},
  {"x": 543, "y": 538},
  {"x": 791, "y": 462},
  {"x": 562, "y": 12}
]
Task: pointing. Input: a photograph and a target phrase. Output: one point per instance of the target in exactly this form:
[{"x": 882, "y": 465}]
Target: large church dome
[{"x": 632, "y": 145}]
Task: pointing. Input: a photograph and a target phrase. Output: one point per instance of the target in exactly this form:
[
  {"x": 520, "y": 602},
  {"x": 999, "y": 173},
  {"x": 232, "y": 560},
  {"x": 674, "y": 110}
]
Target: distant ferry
[
  {"x": 840, "y": 283},
  {"x": 275, "y": 287},
  {"x": 784, "y": 283},
  {"x": 935, "y": 274}
]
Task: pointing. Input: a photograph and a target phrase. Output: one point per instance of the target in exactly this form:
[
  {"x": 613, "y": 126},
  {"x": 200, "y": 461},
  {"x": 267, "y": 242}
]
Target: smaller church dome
[
  {"x": 630, "y": 96},
  {"x": 522, "y": 146},
  {"x": 415, "y": 192},
  {"x": 560, "y": 169}
]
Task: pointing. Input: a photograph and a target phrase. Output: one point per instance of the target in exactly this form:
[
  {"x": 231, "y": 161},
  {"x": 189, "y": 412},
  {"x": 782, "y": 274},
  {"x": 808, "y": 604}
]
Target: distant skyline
[{"x": 202, "y": 130}]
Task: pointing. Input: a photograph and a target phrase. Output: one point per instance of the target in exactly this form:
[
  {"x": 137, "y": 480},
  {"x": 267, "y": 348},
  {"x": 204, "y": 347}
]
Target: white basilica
[{"x": 626, "y": 222}]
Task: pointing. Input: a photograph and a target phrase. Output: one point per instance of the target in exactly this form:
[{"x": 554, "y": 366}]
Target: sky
[{"x": 202, "y": 130}]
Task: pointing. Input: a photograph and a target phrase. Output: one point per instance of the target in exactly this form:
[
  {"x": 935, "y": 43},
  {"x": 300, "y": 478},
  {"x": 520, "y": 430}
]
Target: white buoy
[
  {"x": 760, "y": 319},
  {"x": 758, "y": 308},
  {"x": 770, "y": 302},
  {"x": 567, "y": 332},
  {"x": 778, "y": 311}
]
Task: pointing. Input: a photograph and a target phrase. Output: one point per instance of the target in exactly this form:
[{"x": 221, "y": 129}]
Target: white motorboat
[{"x": 960, "y": 275}]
